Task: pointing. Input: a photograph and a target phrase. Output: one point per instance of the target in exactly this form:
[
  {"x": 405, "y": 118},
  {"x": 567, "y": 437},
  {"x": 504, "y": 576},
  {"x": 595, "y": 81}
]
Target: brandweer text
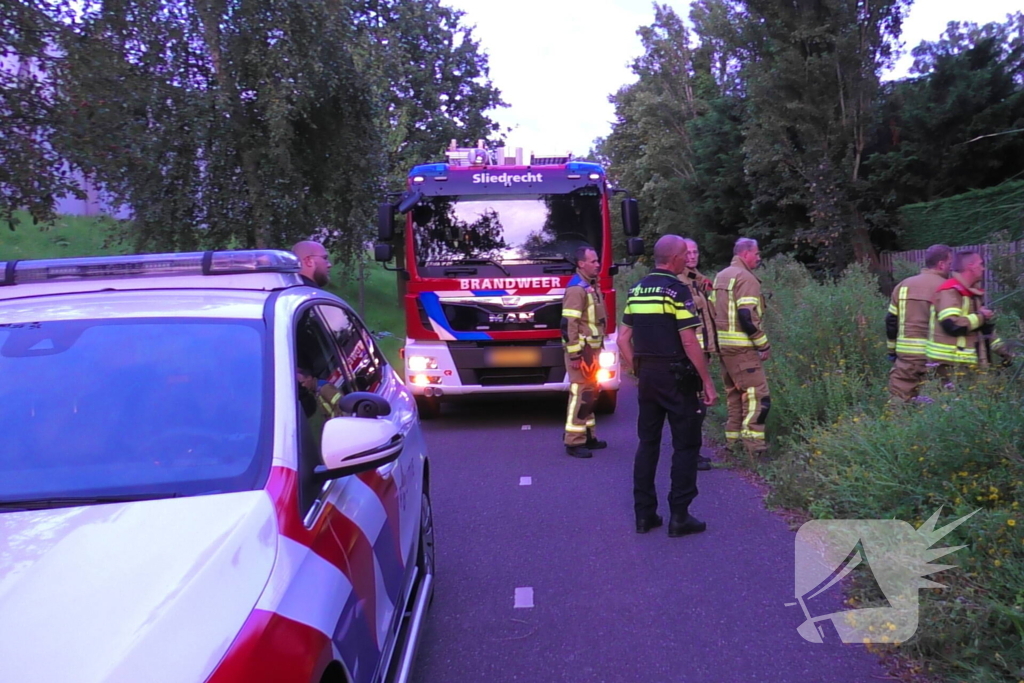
[{"x": 510, "y": 283}]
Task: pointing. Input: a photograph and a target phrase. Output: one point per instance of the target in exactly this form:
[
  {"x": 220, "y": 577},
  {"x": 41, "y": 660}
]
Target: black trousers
[{"x": 661, "y": 397}]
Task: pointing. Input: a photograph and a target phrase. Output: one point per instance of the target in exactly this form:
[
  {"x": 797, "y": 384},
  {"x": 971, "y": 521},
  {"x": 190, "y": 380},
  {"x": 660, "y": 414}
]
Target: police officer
[
  {"x": 583, "y": 325},
  {"x": 700, "y": 288},
  {"x": 314, "y": 263},
  {"x": 658, "y": 339}
]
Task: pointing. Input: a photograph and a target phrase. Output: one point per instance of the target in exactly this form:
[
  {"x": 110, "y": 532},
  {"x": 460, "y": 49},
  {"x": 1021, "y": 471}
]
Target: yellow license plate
[{"x": 523, "y": 357}]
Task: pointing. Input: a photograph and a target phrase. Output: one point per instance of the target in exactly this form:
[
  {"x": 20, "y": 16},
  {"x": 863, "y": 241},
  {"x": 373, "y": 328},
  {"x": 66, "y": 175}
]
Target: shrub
[{"x": 828, "y": 345}]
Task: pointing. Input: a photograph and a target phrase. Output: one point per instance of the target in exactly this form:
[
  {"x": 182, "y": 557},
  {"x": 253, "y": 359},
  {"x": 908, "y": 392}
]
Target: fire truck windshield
[{"x": 506, "y": 230}]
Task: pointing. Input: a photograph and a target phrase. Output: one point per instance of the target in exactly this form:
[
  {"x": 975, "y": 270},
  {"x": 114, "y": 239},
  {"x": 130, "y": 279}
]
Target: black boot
[
  {"x": 703, "y": 464},
  {"x": 645, "y": 524},
  {"x": 595, "y": 444},
  {"x": 578, "y": 452},
  {"x": 684, "y": 523}
]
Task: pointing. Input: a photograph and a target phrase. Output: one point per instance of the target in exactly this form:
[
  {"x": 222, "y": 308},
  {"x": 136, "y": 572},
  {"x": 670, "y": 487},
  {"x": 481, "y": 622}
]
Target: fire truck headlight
[
  {"x": 420, "y": 363},
  {"x": 594, "y": 176},
  {"x": 604, "y": 375},
  {"x": 606, "y": 359}
]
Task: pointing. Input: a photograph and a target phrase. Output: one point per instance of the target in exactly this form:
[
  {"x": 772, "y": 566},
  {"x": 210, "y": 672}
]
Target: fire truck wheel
[
  {"x": 429, "y": 407},
  {"x": 606, "y": 402}
]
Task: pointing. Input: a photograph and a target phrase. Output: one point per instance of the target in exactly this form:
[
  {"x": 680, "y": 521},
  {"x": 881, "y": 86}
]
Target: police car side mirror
[
  {"x": 350, "y": 445},
  {"x": 364, "y": 404}
]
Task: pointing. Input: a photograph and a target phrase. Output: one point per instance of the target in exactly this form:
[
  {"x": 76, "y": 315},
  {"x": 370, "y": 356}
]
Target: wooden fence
[{"x": 991, "y": 252}]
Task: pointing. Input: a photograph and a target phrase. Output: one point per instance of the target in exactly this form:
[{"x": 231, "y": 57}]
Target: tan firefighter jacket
[
  {"x": 738, "y": 308},
  {"x": 910, "y": 314},
  {"x": 700, "y": 289},
  {"x": 959, "y": 332},
  {"x": 583, "y": 317}
]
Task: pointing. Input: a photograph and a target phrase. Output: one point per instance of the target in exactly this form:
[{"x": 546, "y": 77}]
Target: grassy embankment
[
  {"x": 841, "y": 451},
  {"x": 86, "y": 236}
]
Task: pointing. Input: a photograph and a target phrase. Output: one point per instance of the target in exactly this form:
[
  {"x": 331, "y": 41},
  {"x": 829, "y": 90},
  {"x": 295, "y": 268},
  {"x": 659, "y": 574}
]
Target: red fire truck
[{"x": 483, "y": 257}]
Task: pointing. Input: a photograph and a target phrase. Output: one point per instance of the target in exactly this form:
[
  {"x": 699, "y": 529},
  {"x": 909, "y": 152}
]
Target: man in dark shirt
[
  {"x": 315, "y": 268},
  {"x": 658, "y": 339}
]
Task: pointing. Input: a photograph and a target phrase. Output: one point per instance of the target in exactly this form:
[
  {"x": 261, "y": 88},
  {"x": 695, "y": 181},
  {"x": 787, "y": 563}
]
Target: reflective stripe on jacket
[
  {"x": 736, "y": 289},
  {"x": 960, "y": 305},
  {"x": 910, "y": 314},
  {"x": 583, "y": 315},
  {"x": 700, "y": 288}
]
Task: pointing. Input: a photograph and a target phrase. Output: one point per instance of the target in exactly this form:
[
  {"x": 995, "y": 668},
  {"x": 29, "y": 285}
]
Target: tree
[
  {"x": 812, "y": 91},
  {"x": 950, "y": 128},
  {"x": 32, "y": 173},
  {"x": 431, "y": 78},
  {"x": 244, "y": 124}
]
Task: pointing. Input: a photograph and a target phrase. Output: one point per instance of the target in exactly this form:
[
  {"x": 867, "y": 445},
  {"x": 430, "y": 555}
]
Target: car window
[
  {"x": 321, "y": 382},
  {"x": 120, "y": 407},
  {"x": 361, "y": 356}
]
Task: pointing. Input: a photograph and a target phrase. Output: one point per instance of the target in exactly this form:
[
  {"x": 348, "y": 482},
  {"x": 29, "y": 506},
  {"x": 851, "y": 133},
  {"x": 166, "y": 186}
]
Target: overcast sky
[{"x": 557, "y": 61}]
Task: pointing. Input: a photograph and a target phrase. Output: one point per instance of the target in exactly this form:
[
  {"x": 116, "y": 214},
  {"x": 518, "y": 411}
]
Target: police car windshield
[
  {"x": 123, "y": 407},
  {"x": 510, "y": 230}
]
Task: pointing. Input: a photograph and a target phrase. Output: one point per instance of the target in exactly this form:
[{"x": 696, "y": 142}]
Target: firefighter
[
  {"x": 700, "y": 288},
  {"x": 658, "y": 339},
  {"x": 961, "y": 335},
  {"x": 738, "y": 308},
  {"x": 583, "y": 326},
  {"x": 908, "y": 321}
]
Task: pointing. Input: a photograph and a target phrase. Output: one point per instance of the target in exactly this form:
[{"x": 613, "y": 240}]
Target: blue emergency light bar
[{"x": 148, "y": 265}]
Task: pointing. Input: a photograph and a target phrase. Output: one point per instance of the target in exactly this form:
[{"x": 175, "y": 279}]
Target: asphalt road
[{"x": 608, "y": 604}]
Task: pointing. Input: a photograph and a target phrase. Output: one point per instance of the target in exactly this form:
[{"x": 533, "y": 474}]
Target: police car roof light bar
[{"x": 149, "y": 265}]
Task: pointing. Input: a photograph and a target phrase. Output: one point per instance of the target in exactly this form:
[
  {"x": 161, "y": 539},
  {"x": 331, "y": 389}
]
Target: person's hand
[
  {"x": 710, "y": 396},
  {"x": 764, "y": 355},
  {"x": 575, "y": 363},
  {"x": 891, "y": 357},
  {"x": 987, "y": 312}
]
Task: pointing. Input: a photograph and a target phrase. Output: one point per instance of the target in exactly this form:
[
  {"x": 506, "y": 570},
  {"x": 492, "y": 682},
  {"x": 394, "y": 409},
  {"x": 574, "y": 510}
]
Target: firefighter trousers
[
  {"x": 747, "y": 399},
  {"x": 579, "y": 418},
  {"x": 906, "y": 377}
]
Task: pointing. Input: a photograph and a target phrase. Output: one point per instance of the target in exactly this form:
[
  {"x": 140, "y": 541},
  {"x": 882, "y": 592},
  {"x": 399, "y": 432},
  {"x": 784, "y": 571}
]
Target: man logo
[
  {"x": 520, "y": 317},
  {"x": 510, "y": 301},
  {"x": 889, "y": 552}
]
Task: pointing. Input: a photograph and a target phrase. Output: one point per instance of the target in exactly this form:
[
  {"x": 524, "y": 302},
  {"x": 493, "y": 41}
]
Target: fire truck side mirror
[
  {"x": 630, "y": 217},
  {"x": 635, "y": 246},
  {"x": 383, "y": 252},
  {"x": 385, "y": 223}
]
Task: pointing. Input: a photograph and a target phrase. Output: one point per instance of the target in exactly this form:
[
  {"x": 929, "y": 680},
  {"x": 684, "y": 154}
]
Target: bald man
[
  {"x": 658, "y": 338},
  {"x": 315, "y": 269}
]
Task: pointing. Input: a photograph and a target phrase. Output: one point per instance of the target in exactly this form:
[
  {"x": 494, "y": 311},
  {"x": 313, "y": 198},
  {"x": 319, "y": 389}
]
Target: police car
[{"x": 208, "y": 472}]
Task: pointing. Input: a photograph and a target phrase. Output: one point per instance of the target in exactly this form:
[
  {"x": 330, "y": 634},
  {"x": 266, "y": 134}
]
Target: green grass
[
  {"x": 381, "y": 309},
  {"x": 69, "y": 236},
  {"x": 73, "y": 236},
  {"x": 840, "y": 451}
]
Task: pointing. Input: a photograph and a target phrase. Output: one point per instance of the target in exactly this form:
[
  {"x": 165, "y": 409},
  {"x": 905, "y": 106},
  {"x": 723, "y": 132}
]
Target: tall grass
[{"x": 840, "y": 450}]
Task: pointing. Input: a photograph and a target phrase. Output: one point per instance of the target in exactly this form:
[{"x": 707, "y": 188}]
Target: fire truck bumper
[{"x": 438, "y": 368}]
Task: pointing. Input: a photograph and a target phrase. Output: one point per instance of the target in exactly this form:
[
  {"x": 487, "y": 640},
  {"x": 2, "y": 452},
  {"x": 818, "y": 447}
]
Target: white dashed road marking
[
  {"x": 526, "y": 428},
  {"x": 524, "y": 597},
  {"x": 525, "y": 481}
]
